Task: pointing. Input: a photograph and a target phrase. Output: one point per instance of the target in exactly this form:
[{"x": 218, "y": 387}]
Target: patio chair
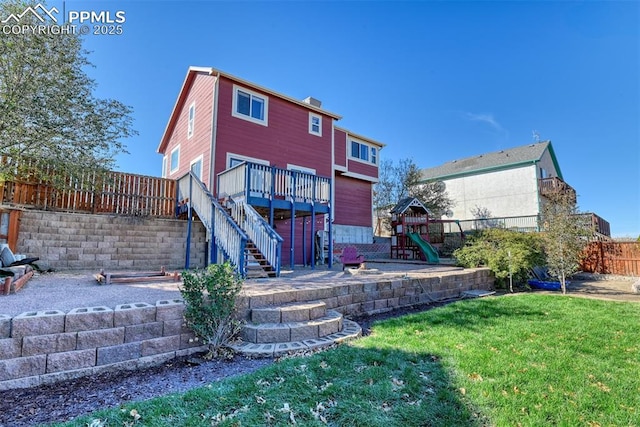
[{"x": 350, "y": 257}]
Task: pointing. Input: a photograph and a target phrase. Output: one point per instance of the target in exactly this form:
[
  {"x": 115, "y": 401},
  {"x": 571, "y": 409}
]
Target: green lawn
[{"x": 530, "y": 360}]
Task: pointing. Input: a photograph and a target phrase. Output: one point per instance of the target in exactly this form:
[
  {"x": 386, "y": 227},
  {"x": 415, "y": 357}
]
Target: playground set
[{"x": 415, "y": 236}]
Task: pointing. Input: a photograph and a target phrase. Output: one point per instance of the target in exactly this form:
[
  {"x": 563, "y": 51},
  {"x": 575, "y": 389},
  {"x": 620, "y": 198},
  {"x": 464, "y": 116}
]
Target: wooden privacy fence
[
  {"x": 95, "y": 192},
  {"x": 621, "y": 258}
]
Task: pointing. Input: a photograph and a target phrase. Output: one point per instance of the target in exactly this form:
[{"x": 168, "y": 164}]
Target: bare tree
[
  {"x": 482, "y": 216},
  {"x": 565, "y": 235},
  {"x": 402, "y": 179}
]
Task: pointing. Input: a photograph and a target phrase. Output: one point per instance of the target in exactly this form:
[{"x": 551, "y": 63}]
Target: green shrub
[
  {"x": 210, "y": 299},
  {"x": 502, "y": 251}
]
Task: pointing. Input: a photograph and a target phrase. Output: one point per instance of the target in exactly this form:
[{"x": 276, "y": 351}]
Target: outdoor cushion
[{"x": 6, "y": 255}]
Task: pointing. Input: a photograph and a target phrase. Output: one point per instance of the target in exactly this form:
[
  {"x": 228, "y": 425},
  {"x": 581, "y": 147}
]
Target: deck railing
[
  {"x": 270, "y": 182},
  {"x": 519, "y": 223},
  {"x": 531, "y": 223},
  {"x": 107, "y": 192},
  {"x": 552, "y": 185},
  {"x": 228, "y": 236},
  {"x": 259, "y": 231}
]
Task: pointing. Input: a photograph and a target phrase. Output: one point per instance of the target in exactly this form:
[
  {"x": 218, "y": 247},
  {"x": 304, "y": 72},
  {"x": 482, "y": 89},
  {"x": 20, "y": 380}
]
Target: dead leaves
[
  {"x": 220, "y": 418},
  {"x": 286, "y": 409},
  {"x": 603, "y": 387},
  {"x": 475, "y": 377},
  {"x": 396, "y": 384},
  {"x": 134, "y": 414},
  {"x": 321, "y": 409}
]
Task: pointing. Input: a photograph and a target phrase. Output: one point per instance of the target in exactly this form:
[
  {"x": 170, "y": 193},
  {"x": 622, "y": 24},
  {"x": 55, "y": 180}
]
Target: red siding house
[{"x": 280, "y": 167}]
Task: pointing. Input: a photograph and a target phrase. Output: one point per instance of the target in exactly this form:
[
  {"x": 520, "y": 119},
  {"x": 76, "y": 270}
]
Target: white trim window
[
  {"x": 235, "y": 159},
  {"x": 164, "y": 166},
  {"x": 251, "y": 106},
  {"x": 315, "y": 124},
  {"x": 174, "y": 160},
  {"x": 363, "y": 152},
  {"x": 196, "y": 167},
  {"x": 300, "y": 169},
  {"x": 191, "y": 124}
]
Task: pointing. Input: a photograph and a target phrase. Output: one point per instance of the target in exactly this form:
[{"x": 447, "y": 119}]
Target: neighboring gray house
[{"x": 511, "y": 184}]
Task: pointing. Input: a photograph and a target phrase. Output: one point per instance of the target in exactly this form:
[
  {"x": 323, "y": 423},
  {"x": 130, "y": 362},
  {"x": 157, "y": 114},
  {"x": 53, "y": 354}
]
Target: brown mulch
[{"x": 67, "y": 400}]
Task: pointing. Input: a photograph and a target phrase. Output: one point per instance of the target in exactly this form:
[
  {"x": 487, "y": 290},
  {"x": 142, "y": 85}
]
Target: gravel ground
[{"x": 66, "y": 291}]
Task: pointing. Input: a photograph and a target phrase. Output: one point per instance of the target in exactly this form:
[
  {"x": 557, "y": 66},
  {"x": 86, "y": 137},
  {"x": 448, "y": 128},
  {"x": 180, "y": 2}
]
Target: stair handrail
[
  {"x": 266, "y": 239},
  {"x": 219, "y": 225}
]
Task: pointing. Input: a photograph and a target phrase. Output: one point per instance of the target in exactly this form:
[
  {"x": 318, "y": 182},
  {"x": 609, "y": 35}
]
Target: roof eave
[
  {"x": 554, "y": 160},
  {"x": 173, "y": 117},
  {"x": 479, "y": 171},
  {"x": 274, "y": 93},
  {"x": 364, "y": 138}
]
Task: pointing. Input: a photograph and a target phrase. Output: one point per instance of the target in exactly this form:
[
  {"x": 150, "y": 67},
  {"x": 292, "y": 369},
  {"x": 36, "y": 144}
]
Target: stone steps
[{"x": 287, "y": 328}]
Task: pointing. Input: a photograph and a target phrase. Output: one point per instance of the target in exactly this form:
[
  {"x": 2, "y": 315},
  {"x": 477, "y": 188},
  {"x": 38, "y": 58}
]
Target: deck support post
[
  {"x": 304, "y": 241},
  {"x": 293, "y": 220},
  {"x": 330, "y": 256},
  {"x": 313, "y": 225},
  {"x": 189, "y": 221},
  {"x": 272, "y": 196},
  {"x": 213, "y": 248}
]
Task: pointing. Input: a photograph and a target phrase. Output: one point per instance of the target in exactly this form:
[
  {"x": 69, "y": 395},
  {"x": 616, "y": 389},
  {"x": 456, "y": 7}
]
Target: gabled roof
[
  {"x": 504, "y": 159},
  {"x": 184, "y": 90},
  {"x": 409, "y": 203}
]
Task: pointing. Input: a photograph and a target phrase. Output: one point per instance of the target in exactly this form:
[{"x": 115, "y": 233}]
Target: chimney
[{"x": 312, "y": 101}]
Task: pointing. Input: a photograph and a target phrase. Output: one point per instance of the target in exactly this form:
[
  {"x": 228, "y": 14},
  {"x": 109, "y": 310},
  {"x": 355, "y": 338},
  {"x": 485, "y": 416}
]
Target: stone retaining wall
[
  {"x": 372, "y": 296},
  {"x": 48, "y": 346},
  {"x": 68, "y": 241}
]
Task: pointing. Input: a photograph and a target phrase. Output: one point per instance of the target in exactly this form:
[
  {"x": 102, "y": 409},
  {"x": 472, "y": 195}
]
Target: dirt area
[
  {"x": 67, "y": 400},
  {"x": 618, "y": 288}
]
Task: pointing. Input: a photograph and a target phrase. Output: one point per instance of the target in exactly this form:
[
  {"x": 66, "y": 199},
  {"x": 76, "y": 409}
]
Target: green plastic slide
[{"x": 430, "y": 253}]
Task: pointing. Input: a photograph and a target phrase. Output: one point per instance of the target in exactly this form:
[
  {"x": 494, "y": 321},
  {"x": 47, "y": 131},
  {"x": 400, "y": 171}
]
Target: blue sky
[{"x": 435, "y": 81}]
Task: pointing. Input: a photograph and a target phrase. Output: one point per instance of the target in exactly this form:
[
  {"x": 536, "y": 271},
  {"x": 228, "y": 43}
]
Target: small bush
[
  {"x": 210, "y": 300},
  {"x": 504, "y": 252}
]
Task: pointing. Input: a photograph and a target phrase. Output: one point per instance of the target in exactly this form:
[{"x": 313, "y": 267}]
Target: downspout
[
  {"x": 535, "y": 168},
  {"x": 332, "y": 190},
  {"x": 214, "y": 133}
]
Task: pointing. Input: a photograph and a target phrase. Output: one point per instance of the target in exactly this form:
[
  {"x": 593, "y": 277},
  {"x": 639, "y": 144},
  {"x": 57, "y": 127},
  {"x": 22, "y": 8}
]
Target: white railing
[
  {"x": 268, "y": 242},
  {"x": 270, "y": 182},
  {"x": 232, "y": 182},
  {"x": 228, "y": 236}
]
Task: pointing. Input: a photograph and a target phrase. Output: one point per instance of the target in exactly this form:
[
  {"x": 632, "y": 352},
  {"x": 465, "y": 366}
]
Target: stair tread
[{"x": 350, "y": 330}]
